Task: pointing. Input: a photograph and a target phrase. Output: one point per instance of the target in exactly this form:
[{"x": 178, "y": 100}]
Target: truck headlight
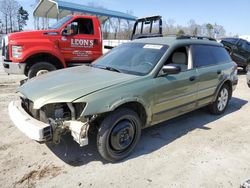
[{"x": 17, "y": 51}]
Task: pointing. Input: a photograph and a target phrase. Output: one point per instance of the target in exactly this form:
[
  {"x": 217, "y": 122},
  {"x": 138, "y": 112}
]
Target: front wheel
[
  {"x": 221, "y": 102},
  {"x": 40, "y": 68},
  {"x": 118, "y": 134}
]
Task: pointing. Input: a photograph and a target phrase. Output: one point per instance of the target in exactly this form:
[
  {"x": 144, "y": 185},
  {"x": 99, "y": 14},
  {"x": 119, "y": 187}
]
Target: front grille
[
  {"x": 6, "y": 57},
  {"x": 5, "y": 49}
]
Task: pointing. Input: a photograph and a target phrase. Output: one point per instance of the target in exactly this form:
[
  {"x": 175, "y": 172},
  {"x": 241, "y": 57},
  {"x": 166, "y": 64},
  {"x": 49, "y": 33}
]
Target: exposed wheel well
[
  {"x": 229, "y": 84},
  {"x": 46, "y": 57},
  {"x": 138, "y": 108}
]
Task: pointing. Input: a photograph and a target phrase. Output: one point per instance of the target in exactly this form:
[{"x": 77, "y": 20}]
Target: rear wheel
[
  {"x": 118, "y": 134},
  {"x": 221, "y": 102},
  {"x": 40, "y": 68}
]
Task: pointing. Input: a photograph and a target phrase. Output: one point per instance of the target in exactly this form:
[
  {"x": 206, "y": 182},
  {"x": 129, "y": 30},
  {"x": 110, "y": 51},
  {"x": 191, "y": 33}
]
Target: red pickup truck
[{"x": 72, "y": 40}]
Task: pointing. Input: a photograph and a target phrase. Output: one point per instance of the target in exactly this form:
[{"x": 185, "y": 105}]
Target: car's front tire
[
  {"x": 118, "y": 134},
  {"x": 220, "y": 104}
]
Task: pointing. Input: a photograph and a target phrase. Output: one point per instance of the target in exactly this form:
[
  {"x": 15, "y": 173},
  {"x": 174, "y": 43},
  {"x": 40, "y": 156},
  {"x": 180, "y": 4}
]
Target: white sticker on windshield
[{"x": 153, "y": 46}]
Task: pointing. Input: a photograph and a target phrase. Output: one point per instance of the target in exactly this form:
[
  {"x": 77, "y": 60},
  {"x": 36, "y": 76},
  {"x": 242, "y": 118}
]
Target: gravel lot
[{"x": 194, "y": 150}]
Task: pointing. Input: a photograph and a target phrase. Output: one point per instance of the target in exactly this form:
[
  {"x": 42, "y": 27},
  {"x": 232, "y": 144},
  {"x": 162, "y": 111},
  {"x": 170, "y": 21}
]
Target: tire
[
  {"x": 220, "y": 104},
  {"x": 244, "y": 69},
  {"x": 40, "y": 68},
  {"x": 118, "y": 134}
]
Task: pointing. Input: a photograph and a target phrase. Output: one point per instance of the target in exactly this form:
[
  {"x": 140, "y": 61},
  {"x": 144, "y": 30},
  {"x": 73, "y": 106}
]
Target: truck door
[{"x": 83, "y": 43}]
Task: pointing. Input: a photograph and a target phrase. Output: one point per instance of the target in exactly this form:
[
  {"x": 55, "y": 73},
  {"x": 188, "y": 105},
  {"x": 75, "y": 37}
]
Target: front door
[{"x": 175, "y": 94}]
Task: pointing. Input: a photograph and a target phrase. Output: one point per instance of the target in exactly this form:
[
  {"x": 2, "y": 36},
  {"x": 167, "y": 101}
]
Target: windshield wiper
[
  {"x": 112, "y": 69},
  {"x": 108, "y": 68}
]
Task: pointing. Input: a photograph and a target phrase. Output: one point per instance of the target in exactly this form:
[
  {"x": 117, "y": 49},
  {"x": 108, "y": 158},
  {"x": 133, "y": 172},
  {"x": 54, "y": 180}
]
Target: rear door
[{"x": 207, "y": 62}]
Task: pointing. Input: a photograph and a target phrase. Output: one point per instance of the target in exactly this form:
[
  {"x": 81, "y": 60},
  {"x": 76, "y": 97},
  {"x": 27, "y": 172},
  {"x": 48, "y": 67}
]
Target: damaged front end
[{"x": 60, "y": 118}]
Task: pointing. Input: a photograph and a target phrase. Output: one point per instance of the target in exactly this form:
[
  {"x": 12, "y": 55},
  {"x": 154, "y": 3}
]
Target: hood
[
  {"x": 31, "y": 34},
  {"x": 70, "y": 84}
]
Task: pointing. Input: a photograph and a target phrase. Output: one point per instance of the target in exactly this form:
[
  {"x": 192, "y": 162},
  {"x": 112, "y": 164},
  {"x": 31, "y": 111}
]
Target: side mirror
[
  {"x": 171, "y": 69},
  {"x": 67, "y": 31}
]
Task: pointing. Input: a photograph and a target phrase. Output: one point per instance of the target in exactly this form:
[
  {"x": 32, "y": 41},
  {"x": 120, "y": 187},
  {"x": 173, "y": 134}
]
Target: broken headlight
[{"x": 61, "y": 111}]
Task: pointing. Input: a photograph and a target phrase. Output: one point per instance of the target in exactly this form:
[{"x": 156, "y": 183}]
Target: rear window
[
  {"x": 204, "y": 55},
  {"x": 231, "y": 40}
]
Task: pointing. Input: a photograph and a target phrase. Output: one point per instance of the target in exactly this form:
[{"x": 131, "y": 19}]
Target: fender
[
  {"x": 124, "y": 100},
  {"x": 219, "y": 87},
  {"x": 41, "y": 49},
  {"x": 109, "y": 106}
]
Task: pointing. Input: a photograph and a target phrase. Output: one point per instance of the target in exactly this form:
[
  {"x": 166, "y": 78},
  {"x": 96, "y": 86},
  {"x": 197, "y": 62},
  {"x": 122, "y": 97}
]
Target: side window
[
  {"x": 220, "y": 54},
  {"x": 242, "y": 44},
  {"x": 179, "y": 57},
  {"x": 205, "y": 55},
  {"x": 202, "y": 56},
  {"x": 82, "y": 26}
]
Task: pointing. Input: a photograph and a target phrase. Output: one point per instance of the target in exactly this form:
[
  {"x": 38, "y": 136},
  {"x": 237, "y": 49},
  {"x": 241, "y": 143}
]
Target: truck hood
[
  {"x": 70, "y": 84},
  {"x": 31, "y": 34}
]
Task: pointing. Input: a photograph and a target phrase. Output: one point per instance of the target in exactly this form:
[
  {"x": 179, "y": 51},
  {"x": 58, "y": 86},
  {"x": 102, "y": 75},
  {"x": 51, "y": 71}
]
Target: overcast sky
[{"x": 233, "y": 15}]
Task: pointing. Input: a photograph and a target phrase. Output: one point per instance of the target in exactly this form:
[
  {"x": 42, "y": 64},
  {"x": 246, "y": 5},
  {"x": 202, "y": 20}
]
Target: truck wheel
[
  {"x": 118, "y": 134},
  {"x": 40, "y": 68},
  {"x": 221, "y": 102}
]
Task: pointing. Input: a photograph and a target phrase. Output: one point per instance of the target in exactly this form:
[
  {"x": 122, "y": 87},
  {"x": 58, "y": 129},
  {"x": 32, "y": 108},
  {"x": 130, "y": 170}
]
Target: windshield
[
  {"x": 60, "y": 23},
  {"x": 132, "y": 58}
]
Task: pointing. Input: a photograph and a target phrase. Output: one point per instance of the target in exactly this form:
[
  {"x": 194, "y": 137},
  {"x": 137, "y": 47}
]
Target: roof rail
[{"x": 195, "y": 37}]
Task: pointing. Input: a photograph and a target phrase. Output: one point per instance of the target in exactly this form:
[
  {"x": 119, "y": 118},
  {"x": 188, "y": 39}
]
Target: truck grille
[{"x": 5, "y": 49}]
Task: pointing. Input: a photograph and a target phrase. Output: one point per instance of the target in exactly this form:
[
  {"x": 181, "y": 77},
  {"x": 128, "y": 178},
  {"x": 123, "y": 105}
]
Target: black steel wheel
[{"x": 118, "y": 134}]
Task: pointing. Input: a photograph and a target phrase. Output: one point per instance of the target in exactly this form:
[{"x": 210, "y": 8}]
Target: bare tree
[
  {"x": 9, "y": 14},
  {"x": 4, "y": 11}
]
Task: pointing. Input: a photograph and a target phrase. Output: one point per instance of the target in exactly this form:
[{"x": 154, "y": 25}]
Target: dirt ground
[{"x": 194, "y": 150}]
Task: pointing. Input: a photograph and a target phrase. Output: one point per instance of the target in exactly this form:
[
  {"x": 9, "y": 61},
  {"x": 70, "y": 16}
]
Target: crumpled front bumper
[
  {"x": 30, "y": 126},
  {"x": 42, "y": 132}
]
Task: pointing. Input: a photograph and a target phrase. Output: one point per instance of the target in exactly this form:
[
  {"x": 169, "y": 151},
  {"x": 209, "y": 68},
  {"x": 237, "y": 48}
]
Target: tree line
[
  {"x": 122, "y": 29},
  {"x": 13, "y": 16}
]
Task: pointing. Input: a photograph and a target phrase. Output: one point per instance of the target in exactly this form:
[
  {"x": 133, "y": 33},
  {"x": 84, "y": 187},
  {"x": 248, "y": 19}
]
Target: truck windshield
[
  {"x": 60, "y": 23},
  {"x": 132, "y": 58}
]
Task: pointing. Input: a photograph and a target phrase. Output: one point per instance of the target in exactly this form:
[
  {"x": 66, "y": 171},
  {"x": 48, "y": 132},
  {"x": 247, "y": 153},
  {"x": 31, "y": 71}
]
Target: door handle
[
  {"x": 218, "y": 71},
  {"x": 192, "y": 78}
]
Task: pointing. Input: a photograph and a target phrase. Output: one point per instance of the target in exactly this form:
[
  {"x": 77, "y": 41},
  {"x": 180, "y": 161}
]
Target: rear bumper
[
  {"x": 14, "y": 68},
  {"x": 33, "y": 128}
]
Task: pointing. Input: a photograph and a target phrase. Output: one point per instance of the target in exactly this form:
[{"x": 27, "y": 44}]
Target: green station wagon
[{"x": 134, "y": 86}]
